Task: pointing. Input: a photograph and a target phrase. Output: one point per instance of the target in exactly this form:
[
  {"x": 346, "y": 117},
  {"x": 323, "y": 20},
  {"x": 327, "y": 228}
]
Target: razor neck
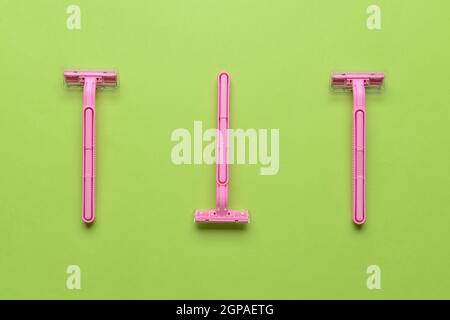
[
  {"x": 359, "y": 94},
  {"x": 90, "y": 84}
]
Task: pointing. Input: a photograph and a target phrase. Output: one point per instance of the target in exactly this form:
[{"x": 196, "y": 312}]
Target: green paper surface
[{"x": 301, "y": 242}]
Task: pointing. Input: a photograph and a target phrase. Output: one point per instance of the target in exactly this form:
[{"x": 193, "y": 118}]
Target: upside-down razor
[
  {"x": 89, "y": 80},
  {"x": 222, "y": 213},
  {"x": 358, "y": 82}
]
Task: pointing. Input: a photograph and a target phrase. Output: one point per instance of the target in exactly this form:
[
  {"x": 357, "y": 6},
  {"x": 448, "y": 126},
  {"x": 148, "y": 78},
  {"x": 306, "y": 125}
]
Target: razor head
[
  {"x": 345, "y": 80},
  {"x": 230, "y": 216},
  {"x": 104, "y": 78}
]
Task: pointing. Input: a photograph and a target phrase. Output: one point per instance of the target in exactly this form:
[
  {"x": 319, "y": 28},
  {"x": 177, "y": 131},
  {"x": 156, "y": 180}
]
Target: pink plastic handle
[
  {"x": 222, "y": 171},
  {"x": 88, "y": 212},
  {"x": 359, "y": 152}
]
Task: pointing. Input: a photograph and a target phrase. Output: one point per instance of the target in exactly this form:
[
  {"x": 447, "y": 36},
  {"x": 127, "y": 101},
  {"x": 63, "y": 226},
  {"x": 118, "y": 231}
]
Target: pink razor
[
  {"x": 358, "y": 82},
  {"x": 90, "y": 80},
  {"x": 222, "y": 213}
]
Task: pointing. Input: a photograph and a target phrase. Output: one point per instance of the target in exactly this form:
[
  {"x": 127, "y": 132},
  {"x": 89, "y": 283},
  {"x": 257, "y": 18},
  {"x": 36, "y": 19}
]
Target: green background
[{"x": 301, "y": 242}]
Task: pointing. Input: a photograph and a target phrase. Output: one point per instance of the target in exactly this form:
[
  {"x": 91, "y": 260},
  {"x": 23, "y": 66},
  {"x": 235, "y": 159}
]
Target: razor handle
[
  {"x": 222, "y": 171},
  {"x": 359, "y": 152},
  {"x": 88, "y": 211}
]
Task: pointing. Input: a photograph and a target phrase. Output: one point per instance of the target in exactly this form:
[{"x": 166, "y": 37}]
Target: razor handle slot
[
  {"x": 359, "y": 166},
  {"x": 88, "y": 164}
]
